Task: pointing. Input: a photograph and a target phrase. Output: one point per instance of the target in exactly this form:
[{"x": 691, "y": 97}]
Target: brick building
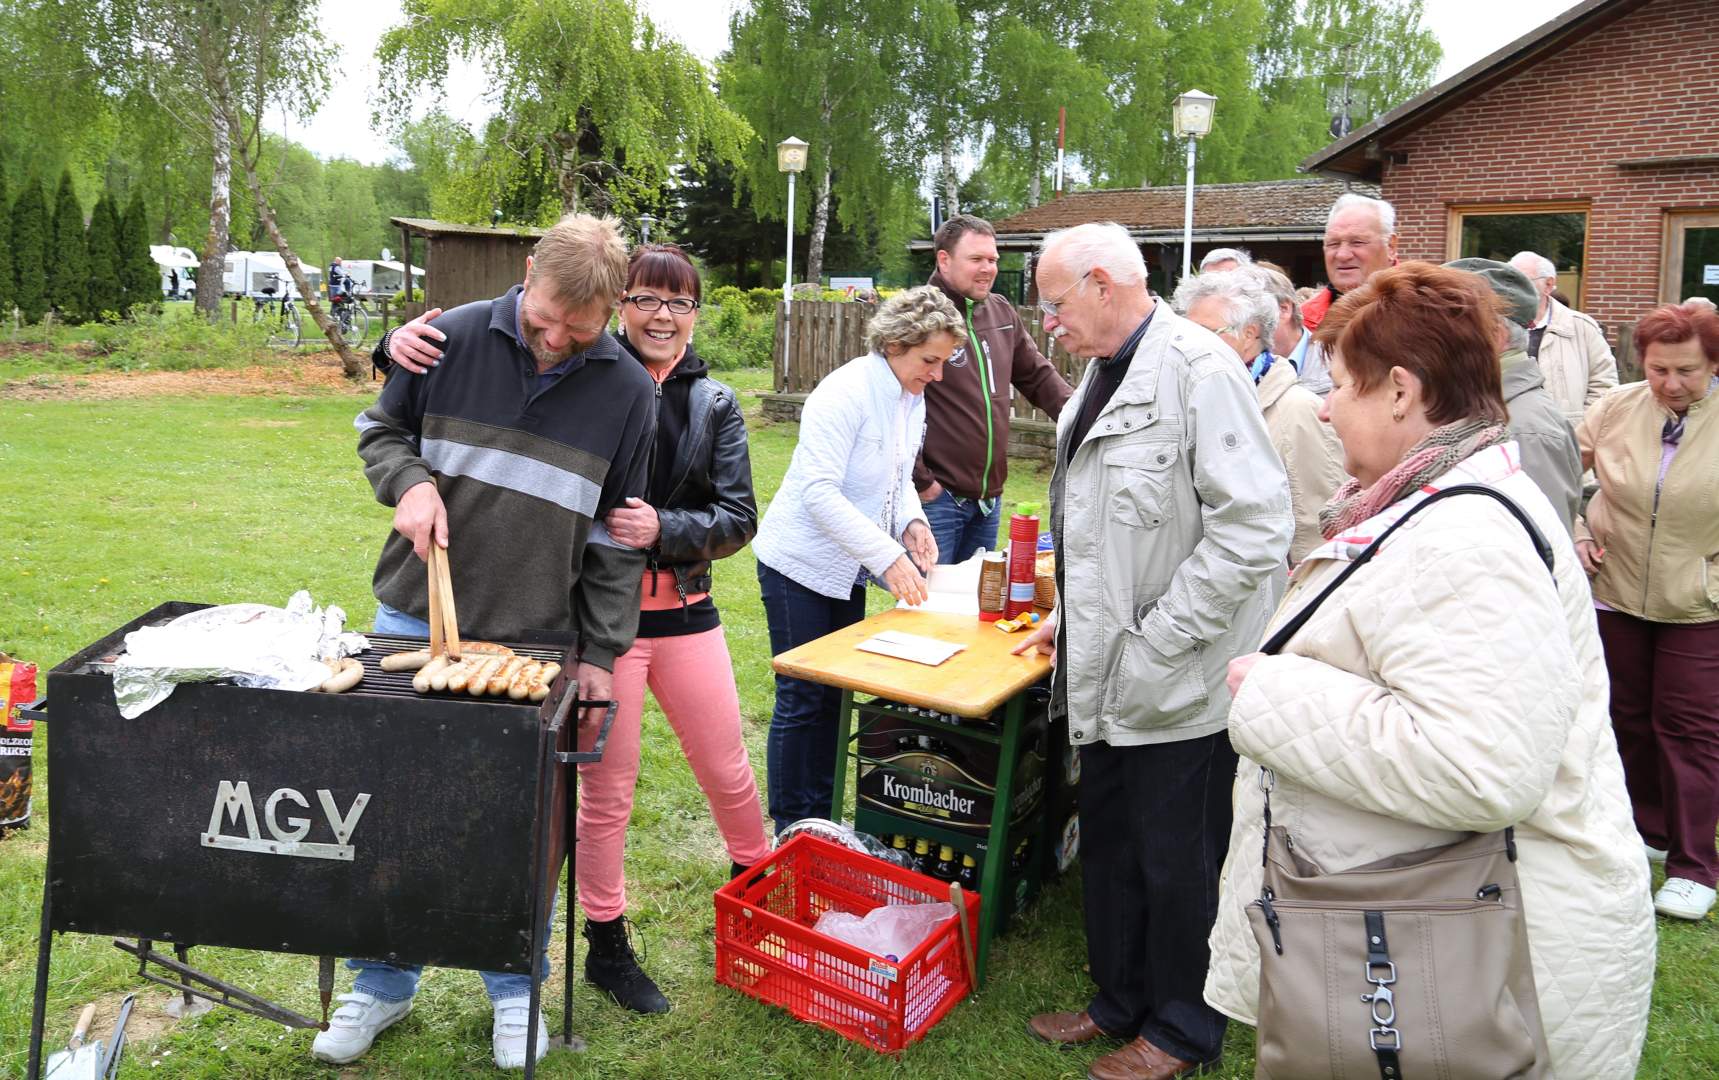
[{"x": 1593, "y": 140}]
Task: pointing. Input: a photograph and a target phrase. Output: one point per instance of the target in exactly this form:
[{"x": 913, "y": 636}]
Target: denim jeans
[
  {"x": 800, "y": 754},
  {"x": 397, "y": 982},
  {"x": 962, "y": 526},
  {"x": 1154, "y": 829}
]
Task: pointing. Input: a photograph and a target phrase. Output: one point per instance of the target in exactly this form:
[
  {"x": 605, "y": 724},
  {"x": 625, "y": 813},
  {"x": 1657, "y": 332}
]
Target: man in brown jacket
[
  {"x": 1569, "y": 346},
  {"x": 961, "y": 469}
]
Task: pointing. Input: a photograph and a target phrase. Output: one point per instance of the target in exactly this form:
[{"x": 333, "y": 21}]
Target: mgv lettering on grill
[{"x": 233, "y": 801}]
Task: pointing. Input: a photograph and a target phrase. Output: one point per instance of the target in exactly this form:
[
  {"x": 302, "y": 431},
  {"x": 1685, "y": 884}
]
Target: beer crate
[
  {"x": 933, "y": 772},
  {"x": 766, "y": 946}
]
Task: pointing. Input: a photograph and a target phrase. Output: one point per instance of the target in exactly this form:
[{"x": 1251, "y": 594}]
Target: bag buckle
[
  {"x": 1384, "y": 1005},
  {"x": 1393, "y": 1041}
]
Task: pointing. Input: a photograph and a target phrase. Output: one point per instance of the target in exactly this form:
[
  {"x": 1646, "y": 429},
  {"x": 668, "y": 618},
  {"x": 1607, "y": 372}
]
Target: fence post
[{"x": 235, "y": 311}]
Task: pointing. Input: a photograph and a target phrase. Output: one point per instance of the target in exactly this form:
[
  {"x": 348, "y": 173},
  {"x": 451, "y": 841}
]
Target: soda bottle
[{"x": 945, "y": 868}]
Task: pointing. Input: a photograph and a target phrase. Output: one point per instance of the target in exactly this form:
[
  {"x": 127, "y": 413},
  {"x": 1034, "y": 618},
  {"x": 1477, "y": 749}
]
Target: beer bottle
[
  {"x": 945, "y": 868},
  {"x": 968, "y": 875},
  {"x": 899, "y": 843},
  {"x": 922, "y": 855}
]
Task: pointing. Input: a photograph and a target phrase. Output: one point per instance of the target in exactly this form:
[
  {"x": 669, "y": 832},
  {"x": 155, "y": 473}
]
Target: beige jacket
[
  {"x": 1661, "y": 541},
  {"x": 1578, "y": 363},
  {"x": 1172, "y": 529},
  {"x": 1448, "y": 688},
  {"x": 1308, "y": 448}
]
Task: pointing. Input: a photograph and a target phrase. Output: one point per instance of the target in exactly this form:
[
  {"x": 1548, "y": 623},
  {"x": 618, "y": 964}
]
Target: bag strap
[{"x": 1277, "y": 641}]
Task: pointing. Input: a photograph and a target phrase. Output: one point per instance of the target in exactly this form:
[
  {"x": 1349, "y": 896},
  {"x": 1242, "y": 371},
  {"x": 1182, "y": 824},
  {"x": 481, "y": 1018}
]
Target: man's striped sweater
[{"x": 527, "y": 467}]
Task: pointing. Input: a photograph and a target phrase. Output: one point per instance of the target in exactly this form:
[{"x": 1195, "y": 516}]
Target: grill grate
[{"x": 379, "y": 683}]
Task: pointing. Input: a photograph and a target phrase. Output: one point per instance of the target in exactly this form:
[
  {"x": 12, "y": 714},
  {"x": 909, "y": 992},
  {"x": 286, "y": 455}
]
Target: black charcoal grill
[{"x": 379, "y": 823}]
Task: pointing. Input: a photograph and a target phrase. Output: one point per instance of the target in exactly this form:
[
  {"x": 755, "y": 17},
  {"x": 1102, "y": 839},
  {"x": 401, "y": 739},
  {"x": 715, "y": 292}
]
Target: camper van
[
  {"x": 175, "y": 265},
  {"x": 381, "y": 277},
  {"x": 264, "y": 273}
]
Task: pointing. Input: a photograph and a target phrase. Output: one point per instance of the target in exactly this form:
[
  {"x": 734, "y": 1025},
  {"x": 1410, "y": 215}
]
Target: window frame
[
  {"x": 1671, "y": 247},
  {"x": 1458, "y": 211}
]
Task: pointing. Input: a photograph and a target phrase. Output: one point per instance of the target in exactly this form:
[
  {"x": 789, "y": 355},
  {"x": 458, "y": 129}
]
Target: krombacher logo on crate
[{"x": 940, "y": 776}]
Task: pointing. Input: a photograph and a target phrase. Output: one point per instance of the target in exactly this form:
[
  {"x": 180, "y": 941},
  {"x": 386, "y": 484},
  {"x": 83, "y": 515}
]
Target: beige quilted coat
[{"x": 1447, "y": 688}]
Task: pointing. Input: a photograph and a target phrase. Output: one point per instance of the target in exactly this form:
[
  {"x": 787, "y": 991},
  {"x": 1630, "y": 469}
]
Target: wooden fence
[{"x": 827, "y": 334}]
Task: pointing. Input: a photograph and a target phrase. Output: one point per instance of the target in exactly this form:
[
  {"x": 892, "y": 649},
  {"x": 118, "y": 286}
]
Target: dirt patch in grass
[{"x": 317, "y": 372}]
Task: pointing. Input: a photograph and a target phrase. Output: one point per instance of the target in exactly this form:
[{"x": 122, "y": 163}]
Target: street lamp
[
  {"x": 1192, "y": 121},
  {"x": 645, "y": 223},
  {"x": 791, "y": 159}
]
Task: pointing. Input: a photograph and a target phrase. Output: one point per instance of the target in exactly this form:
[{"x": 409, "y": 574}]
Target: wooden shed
[{"x": 463, "y": 263}]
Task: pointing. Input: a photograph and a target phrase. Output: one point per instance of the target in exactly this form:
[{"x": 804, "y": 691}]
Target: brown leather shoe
[
  {"x": 1140, "y": 1060},
  {"x": 1065, "y": 1028}
]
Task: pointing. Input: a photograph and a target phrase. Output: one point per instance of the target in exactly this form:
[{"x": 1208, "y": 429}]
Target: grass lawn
[{"x": 116, "y": 506}]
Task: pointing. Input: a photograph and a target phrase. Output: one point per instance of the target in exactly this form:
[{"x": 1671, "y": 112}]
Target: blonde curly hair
[{"x": 911, "y": 318}]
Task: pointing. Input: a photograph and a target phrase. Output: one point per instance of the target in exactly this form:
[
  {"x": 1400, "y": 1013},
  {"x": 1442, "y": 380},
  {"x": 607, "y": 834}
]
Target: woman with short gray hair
[{"x": 847, "y": 511}]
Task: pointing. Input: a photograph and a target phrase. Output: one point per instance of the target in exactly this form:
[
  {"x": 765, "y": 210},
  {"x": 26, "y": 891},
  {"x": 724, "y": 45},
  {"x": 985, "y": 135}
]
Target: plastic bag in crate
[{"x": 18, "y": 685}]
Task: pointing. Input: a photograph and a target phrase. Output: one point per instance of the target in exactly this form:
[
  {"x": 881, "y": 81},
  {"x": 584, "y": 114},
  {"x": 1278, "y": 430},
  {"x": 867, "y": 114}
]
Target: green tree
[
  {"x": 828, "y": 72},
  {"x": 356, "y": 227},
  {"x": 30, "y": 225},
  {"x": 139, "y": 277},
  {"x": 106, "y": 288},
  {"x": 588, "y": 88},
  {"x": 711, "y": 224},
  {"x": 68, "y": 263},
  {"x": 8, "y": 284}
]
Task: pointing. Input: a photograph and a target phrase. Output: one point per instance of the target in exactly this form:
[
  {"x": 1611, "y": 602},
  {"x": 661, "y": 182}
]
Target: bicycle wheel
[
  {"x": 354, "y": 323},
  {"x": 283, "y": 324}
]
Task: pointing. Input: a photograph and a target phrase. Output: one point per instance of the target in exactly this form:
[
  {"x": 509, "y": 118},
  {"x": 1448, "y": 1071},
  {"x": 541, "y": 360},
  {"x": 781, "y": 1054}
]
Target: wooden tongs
[{"x": 444, "y": 623}]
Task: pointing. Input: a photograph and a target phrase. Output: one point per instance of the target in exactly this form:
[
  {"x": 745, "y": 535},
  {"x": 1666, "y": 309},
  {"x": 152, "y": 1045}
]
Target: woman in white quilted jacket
[{"x": 1451, "y": 685}]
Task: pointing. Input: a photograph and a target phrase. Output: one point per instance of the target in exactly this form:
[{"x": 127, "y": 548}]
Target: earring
[{"x": 1397, "y": 415}]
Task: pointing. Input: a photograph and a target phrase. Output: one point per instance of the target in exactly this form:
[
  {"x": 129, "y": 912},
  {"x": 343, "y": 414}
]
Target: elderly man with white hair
[
  {"x": 1569, "y": 346},
  {"x": 1172, "y": 526},
  {"x": 1360, "y": 240},
  {"x": 1242, "y": 310},
  {"x": 1218, "y": 260}
]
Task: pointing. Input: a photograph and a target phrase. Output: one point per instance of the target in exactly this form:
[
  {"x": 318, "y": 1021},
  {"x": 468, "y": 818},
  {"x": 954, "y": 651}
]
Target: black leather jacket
[{"x": 706, "y": 509}]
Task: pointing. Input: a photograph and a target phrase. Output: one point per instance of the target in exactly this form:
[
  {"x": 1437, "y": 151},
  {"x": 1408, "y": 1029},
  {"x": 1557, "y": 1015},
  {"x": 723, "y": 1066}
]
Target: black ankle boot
[{"x": 611, "y": 967}]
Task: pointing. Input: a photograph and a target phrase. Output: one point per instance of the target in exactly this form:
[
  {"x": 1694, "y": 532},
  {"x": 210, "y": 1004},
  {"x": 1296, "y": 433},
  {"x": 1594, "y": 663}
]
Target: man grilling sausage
[{"x": 529, "y": 428}]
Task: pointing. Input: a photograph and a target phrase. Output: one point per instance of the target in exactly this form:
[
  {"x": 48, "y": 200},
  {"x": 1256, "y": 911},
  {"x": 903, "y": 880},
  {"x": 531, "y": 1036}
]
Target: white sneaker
[
  {"x": 354, "y": 1026},
  {"x": 1655, "y": 854},
  {"x": 1681, "y": 898},
  {"x": 508, "y": 1036}
]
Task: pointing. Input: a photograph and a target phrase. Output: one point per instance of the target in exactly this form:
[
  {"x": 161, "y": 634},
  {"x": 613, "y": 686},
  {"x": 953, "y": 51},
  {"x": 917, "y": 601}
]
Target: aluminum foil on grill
[{"x": 253, "y": 645}]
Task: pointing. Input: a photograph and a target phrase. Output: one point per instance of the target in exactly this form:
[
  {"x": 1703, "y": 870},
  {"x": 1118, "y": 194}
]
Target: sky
[{"x": 1468, "y": 29}]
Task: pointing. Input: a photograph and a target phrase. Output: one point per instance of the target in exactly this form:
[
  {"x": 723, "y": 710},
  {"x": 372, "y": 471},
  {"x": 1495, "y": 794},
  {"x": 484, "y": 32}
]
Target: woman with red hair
[
  {"x": 1650, "y": 541},
  {"x": 1450, "y": 686}
]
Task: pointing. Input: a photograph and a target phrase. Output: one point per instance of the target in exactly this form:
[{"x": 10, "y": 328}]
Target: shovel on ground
[{"x": 80, "y": 1060}]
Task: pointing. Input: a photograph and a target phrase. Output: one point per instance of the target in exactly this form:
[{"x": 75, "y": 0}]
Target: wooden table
[{"x": 974, "y": 683}]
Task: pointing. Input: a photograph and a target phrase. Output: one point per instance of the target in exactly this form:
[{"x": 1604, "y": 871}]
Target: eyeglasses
[
  {"x": 1050, "y": 307},
  {"x": 680, "y": 305}
]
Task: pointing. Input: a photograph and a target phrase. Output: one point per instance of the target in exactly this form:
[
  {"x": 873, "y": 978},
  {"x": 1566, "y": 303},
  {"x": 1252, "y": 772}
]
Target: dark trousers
[
  {"x": 1154, "y": 828},
  {"x": 800, "y": 753},
  {"x": 1665, "y": 711}
]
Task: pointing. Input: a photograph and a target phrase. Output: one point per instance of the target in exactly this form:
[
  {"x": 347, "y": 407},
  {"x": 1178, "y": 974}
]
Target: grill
[{"x": 379, "y": 823}]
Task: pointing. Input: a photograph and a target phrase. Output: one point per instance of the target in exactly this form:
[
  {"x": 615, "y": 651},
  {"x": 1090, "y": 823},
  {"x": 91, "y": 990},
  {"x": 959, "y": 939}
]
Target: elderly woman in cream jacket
[
  {"x": 1451, "y": 686},
  {"x": 847, "y": 511}
]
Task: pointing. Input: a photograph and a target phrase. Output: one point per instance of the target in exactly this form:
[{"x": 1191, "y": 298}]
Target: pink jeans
[{"x": 692, "y": 679}]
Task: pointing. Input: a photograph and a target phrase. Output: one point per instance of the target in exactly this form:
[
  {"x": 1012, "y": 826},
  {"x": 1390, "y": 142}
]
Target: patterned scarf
[{"x": 1430, "y": 458}]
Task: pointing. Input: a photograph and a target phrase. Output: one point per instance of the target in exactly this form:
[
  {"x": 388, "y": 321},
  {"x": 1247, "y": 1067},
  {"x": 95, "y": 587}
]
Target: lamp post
[
  {"x": 645, "y": 223},
  {"x": 791, "y": 159},
  {"x": 1192, "y": 121}
]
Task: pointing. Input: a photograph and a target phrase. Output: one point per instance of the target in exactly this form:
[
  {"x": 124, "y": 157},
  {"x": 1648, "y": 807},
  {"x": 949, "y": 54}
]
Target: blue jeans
[
  {"x": 800, "y": 754},
  {"x": 397, "y": 982},
  {"x": 962, "y": 526}
]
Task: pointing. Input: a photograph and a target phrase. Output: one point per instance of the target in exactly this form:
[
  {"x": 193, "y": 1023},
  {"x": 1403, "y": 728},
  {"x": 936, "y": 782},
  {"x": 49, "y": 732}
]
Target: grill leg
[
  {"x": 39, "y": 1005},
  {"x": 183, "y": 954},
  {"x": 570, "y": 830}
]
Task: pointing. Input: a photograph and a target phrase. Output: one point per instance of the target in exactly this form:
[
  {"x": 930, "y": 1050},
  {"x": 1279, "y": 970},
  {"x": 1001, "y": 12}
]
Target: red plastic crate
[{"x": 766, "y": 947}]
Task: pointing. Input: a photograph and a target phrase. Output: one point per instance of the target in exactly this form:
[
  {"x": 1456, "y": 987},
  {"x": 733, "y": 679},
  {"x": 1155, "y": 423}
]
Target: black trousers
[{"x": 1154, "y": 827}]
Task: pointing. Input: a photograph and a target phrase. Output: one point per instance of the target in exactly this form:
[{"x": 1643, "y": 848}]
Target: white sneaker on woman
[
  {"x": 354, "y": 1026},
  {"x": 1655, "y": 854},
  {"x": 508, "y": 1035},
  {"x": 1681, "y": 898}
]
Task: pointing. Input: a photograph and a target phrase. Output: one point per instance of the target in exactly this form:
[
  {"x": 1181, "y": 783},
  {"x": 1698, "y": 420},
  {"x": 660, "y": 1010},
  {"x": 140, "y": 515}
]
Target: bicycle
[
  {"x": 350, "y": 316},
  {"x": 280, "y": 316}
]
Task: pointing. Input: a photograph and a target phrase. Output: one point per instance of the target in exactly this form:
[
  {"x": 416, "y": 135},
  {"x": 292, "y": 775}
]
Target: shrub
[
  {"x": 105, "y": 290},
  {"x": 727, "y": 296},
  {"x": 735, "y": 340},
  {"x": 30, "y": 252},
  {"x": 139, "y": 279},
  {"x": 68, "y": 256},
  {"x": 6, "y": 280},
  {"x": 417, "y": 296},
  {"x": 763, "y": 300}
]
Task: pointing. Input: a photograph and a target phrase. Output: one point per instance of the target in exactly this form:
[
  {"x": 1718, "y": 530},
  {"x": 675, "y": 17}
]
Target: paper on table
[
  {"x": 914, "y": 647},
  {"x": 951, "y": 588}
]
